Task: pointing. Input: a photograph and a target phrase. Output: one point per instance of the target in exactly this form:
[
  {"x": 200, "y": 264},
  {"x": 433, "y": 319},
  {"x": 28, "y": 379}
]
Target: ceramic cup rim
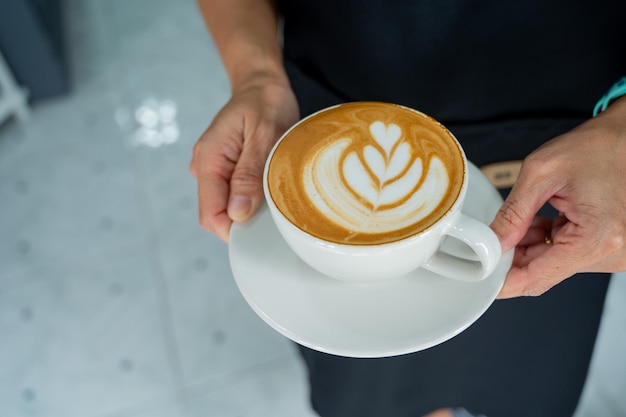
[{"x": 452, "y": 210}]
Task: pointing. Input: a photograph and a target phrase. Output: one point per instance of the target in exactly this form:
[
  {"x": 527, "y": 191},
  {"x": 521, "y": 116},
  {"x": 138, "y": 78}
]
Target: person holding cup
[{"x": 510, "y": 88}]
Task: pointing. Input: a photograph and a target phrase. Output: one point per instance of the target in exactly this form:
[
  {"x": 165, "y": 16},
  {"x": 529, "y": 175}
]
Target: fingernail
[{"x": 238, "y": 207}]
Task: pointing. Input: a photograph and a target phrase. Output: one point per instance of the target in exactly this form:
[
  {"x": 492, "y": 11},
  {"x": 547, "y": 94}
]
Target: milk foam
[{"x": 379, "y": 188}]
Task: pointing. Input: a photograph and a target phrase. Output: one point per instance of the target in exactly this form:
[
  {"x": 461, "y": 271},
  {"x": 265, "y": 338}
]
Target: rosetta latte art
[{"x": 380, "y": 187}]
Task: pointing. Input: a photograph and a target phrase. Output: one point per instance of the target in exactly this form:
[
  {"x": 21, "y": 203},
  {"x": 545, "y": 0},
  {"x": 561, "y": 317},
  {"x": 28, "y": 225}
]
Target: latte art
[
  {"x": 380, "y": 189},
  {"x": 365, "y": 173}
]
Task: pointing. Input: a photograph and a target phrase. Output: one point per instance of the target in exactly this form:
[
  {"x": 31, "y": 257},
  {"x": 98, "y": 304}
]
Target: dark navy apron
[{"x": 504, "y": 77}]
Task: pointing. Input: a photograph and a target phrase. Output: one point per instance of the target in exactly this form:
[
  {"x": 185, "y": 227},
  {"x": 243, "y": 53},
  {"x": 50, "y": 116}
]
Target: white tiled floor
[{"x": 113, "y": 302}]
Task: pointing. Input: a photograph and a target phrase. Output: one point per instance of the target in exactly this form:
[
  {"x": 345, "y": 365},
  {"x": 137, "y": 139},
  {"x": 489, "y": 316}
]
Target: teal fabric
[{"x": 617, "y": 90}]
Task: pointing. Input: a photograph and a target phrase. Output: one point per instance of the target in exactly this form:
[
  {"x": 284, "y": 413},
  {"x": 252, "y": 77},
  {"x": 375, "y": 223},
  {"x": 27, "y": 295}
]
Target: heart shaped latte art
[{"x": 381, "y": 187}]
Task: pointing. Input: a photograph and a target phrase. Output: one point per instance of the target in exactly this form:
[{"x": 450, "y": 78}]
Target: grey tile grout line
[
  {"x": 170, "y": 339},
  {"x": 218, "y": 381},
  {"x": 163, "y": 302},
  {"x": 123, "y": 408}
]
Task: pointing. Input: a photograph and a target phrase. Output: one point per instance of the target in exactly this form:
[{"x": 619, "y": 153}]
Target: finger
[
  {"x": 540, "y": 221},
  {"x": 524, "y": 255},
  {"x": 558, "y": 223},
  {"x": 442, "y": 412},
  {"x": 531, "y": 191},
  {"x": 212, "y": 171},
  {"x": 539, "y": 269},
  {"x": 533, "y": 236},
  {"x": 537, "y": 232},
  {"x": 192, "y": 167},
  {"x": 246, "y": 183},
  {"x": 212, "y": 199},
  {"x": 537, "y": 241}
]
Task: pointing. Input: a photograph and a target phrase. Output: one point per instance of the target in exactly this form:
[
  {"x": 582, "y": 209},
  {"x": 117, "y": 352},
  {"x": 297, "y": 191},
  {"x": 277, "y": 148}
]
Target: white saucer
[{"x": 390, "y": 318}]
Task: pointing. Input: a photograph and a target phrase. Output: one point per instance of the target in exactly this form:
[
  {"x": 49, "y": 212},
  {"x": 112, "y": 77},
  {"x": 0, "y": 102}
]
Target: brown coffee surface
[{"x": 366, "y": 173}]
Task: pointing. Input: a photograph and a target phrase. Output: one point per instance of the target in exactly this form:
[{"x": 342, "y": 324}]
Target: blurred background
[{"x": 113, "y": 301}]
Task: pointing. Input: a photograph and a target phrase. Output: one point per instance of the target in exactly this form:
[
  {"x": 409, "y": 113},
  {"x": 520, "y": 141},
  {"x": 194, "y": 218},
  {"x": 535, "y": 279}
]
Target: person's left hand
[{"x": 582, "y": 174}]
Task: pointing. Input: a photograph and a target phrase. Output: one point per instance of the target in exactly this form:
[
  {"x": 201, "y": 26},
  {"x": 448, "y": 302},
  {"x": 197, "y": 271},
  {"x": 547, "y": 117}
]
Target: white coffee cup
[{"x": 389, "y": 133}]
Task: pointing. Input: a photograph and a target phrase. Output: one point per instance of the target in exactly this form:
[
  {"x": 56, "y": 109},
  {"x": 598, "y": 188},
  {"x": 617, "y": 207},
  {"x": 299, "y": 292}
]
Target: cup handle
[{"x": 474, "y": 259}]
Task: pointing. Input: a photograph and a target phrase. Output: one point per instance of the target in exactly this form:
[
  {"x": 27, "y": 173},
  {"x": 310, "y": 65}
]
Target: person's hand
[
  {"x": 229, "y": 158},
  {"x": 582, "y": 174},
  {"x": 442, "y": 412}
]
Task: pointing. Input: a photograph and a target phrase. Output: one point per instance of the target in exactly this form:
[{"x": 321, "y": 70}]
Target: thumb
[
  {"x": 514, "y": 218},
  {"x": 246, "y": 185}
]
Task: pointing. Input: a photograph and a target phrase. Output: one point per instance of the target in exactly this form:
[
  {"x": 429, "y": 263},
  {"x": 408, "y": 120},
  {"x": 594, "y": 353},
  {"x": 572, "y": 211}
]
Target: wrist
[
  {"x": 616, "y": 111},
  {"x": 609, "y": 128},
  {"x": 246, "y": 59},
  {"x": 260, "y": 79}
]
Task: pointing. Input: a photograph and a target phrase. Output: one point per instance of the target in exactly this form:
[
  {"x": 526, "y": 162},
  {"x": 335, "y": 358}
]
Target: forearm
[{"x": 245, "y": 33}]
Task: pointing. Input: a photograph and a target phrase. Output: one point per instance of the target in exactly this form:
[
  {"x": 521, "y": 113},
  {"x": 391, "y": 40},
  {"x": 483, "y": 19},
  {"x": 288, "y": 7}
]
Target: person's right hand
[{"x": 229, "y": 158}]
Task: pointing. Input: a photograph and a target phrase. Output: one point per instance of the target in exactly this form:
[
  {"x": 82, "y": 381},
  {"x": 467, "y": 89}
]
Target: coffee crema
[{"x": 366, "y": 173}]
